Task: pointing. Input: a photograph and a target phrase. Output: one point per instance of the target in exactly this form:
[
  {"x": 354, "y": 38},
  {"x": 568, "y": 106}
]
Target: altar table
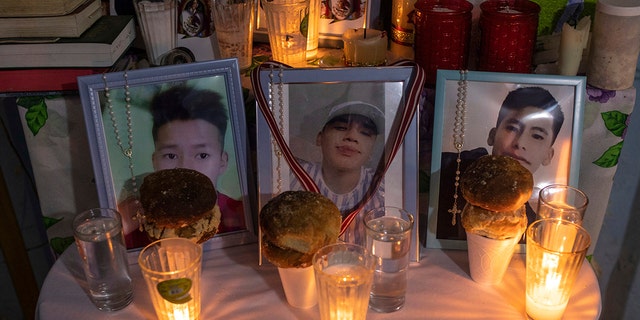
[{"x": 235, "y": 286}]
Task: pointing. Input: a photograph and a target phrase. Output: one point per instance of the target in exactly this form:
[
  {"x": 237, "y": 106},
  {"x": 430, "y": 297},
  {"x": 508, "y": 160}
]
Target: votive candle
[
  {"x": 365, "y": 47},
  {"x": 508, "y": 30},
  {"x": 443, "y": 31},
  {"x": 556, "y": 250}
]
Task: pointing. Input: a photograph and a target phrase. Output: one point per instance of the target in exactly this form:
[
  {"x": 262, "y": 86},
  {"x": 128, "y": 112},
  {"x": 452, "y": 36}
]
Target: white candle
[
  {"x": 572, "y": 44},
  {"x": 365, "y": 47},
  {"x": 545, "y": 301},
  {"x": 539, "y": 311},
  {"x": 180, "y": 312}
]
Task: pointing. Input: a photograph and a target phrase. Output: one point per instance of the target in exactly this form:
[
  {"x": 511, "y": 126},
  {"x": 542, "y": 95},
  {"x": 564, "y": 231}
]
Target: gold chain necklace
[{"x": 458, "y": 138}]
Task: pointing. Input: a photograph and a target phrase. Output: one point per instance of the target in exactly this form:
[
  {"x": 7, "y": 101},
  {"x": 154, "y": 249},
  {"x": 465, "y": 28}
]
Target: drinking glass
[
  {"x": 171, "y": 268},
  {"x": 388, "y": 237},
  {"x": 98, "y": 234},
  {"x": 344, "y": 273},
  {"x": 287, "y": 29},
  {"x": 562, "y": 202},
  {"x": 158, "y": 24},
  {"x": 234, "y": 22},
  {"x": 556, "y": 250}
]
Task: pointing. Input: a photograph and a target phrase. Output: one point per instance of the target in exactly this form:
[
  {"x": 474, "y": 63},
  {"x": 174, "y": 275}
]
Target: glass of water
[
  {"x": 562, "y": 202},
  {"x": 234, "y": 21},
  {"x": 388, "y": 236},
  {"x": 98, "y": 234}
]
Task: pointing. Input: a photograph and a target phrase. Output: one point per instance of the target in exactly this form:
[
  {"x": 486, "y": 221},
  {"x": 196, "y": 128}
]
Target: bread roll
[
  {"x": 295, "y": 224},
  {"x": 494, "y": 224},
  {"x": 179, "y": 203},
  {"x": 496, "y": 183}
]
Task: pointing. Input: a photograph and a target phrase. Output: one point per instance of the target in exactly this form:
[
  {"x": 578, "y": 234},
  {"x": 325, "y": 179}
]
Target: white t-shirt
[{"x": 346, "y": 201}]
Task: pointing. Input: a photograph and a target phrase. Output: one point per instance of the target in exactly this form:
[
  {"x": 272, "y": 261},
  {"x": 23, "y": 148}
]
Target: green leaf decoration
[
  {"x": 36, "y": 115},
  {"x": 29, "y": 101},
  {"x": 610, "y": 157},
  {"x": 60, "y": 244},
  {"x": 615, "y": 121},
  {"x": 48, "y": 221}
]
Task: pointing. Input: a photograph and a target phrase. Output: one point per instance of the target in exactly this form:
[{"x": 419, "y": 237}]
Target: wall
[{"x": 617, "y": 251}]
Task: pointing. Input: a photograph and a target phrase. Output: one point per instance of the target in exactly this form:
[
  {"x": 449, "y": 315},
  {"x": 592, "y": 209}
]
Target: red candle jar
[
  {"x": 442, "y": 33},
  {"x": 508, "y": 30}
]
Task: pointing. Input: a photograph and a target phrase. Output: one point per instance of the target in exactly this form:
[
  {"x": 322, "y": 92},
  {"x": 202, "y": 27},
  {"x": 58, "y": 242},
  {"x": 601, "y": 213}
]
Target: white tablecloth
[{"x": 235, "y": 286}]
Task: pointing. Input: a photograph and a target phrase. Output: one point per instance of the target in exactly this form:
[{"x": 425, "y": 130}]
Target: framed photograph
[
  {"x": 187, "y": 115},
  {"x": 336, "y": 17},
  {"x": 348, "y": 133},
  {"x": 536, "y": 119}
]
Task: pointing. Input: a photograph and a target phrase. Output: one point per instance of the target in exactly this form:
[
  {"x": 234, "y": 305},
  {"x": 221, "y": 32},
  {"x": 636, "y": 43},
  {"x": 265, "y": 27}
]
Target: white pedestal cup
[
  {"x": 489, "y": 258},
  {"x": 299, "y": 286}
]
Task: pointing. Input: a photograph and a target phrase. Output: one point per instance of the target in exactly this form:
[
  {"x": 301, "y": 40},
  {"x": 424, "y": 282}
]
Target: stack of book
[{"x": 45, "y": 45}]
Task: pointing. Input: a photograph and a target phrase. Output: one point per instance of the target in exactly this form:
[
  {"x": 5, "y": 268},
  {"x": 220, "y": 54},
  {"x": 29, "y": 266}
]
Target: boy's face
[
  {"x": 192, "y": 144},
  {"x": 346, "y": 145},
  {"x": 525, "y": 135}
]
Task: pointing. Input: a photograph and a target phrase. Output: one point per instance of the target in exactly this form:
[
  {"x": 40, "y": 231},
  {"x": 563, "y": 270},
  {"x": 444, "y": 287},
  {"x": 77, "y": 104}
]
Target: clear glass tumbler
[
  {"x": 389, "y": 240},
  {"x": 100, "y": 241}
]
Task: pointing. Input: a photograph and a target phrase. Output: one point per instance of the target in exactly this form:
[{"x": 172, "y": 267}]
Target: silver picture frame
[
  {"x": 293, "y": 102},
  {"x": 112, "y": 168}
]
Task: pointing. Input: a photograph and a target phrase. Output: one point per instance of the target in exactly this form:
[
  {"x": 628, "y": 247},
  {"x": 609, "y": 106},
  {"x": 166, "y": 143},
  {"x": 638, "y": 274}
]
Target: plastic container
[{"x": 615, "y": 44}]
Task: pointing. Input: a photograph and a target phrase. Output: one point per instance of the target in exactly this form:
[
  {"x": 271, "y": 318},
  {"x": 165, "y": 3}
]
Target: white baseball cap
[{"x": 360, "y": 108}]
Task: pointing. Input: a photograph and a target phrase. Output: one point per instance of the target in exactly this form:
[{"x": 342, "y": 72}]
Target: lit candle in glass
[
  {"x": 443, "y": 31},
  {"x": 555, "y": 252},
  {"x": 171, "y": 268},
  {"x": 508, "y": 30},
  {"x": 344, "y": 274}
]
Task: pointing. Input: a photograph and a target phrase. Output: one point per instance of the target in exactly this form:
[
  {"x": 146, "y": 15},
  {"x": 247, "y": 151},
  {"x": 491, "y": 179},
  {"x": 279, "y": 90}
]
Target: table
[{"x": 235, "y": 286}]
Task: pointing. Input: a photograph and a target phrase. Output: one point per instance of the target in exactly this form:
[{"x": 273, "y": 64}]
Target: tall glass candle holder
[
  {"x": 443, "y": 30},
  {"x": 402, "y": 35},
  {"x": 313, "y": 31},
  {"x": 158, "y": 23},
  {"x": 508, "y": 30},
  {"x": 286, "y": 30},
  {"x": 556, "y": 250}
]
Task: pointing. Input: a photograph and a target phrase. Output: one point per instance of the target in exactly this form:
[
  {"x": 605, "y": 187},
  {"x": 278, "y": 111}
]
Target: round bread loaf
[
  {"x": 496, "y": 183},
  {"x": 179, "y": 203},
  {"x": 295, "y": 224},
  {"x": 494, "y": 224}
]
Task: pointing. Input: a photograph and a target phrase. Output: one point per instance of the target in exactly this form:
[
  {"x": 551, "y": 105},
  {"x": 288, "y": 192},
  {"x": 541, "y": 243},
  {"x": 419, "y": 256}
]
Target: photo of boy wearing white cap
[{"x": 347, "y": 140}]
